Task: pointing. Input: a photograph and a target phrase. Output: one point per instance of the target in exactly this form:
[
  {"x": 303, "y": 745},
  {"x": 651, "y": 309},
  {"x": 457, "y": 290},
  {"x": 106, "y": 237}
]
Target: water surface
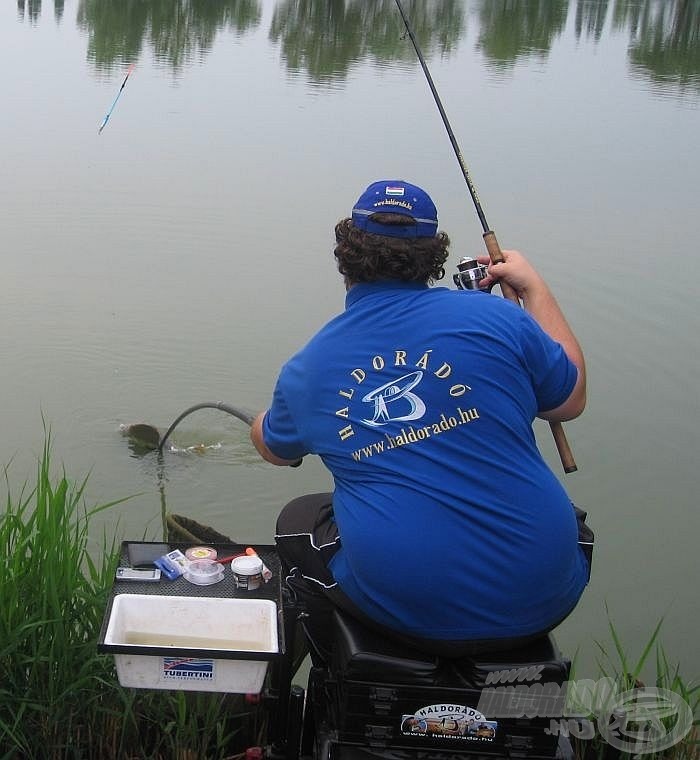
[{"x": 184, "y": 253}]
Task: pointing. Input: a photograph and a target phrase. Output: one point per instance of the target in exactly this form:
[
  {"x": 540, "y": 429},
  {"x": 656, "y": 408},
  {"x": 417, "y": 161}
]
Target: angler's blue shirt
[{"x": 420, "y": 402}]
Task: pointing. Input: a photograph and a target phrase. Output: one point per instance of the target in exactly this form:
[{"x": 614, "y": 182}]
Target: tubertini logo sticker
[
  {"x": 188, "y": 669},
  {"x": 457, "y": 722}
]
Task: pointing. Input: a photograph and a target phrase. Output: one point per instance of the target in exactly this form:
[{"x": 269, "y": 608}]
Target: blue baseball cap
[{"x": 394, "y": 196}]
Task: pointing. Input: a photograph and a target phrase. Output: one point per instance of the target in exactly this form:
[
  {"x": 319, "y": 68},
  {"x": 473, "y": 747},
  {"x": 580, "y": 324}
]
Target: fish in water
[
  {"x": 142, "y": 434},
  {"x": 145, "y": 438}
]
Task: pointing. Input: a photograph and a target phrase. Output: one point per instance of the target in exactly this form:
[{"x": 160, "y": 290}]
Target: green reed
[
  {"x": 621, "y": 674},
  {"x": 59, "y": 698},
  {"x": 53, "y": 595}
]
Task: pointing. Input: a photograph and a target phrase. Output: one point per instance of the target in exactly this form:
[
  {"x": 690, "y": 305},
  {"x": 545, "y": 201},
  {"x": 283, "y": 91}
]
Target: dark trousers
[{"x": 307, "y": 538}]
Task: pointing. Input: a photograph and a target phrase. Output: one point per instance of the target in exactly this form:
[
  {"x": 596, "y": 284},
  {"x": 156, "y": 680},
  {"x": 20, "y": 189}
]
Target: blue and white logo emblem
[
  {"x": 395, "y": 402},
  {"x": 188, "y": 669}
]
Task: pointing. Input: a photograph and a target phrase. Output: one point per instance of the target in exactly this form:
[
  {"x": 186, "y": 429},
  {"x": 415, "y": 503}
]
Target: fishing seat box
[{"x": 389, "y": 696}]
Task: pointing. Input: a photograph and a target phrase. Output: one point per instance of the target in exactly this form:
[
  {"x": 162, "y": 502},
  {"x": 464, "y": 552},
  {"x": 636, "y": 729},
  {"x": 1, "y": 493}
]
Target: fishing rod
[
  {"x": 109, "y": 113},
  {"x": 492, "y": 247},
  {"x": 147, "y": 437},
  {"x": 245, "y": 416}
]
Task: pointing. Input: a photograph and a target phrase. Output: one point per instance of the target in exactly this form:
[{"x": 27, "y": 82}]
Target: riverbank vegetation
[
  {"x": 59, "y": 698},
  {"x": 662, "y": 715}
]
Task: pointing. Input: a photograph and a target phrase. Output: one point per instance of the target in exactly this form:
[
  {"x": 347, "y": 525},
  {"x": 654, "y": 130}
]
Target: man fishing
[{"x": 446, "y": 529}]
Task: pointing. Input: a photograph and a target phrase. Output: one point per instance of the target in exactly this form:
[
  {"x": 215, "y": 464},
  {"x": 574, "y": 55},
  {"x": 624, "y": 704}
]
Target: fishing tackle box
[
  {"x": 179, "y": 635},
  {"x": 385, "y": 696}
]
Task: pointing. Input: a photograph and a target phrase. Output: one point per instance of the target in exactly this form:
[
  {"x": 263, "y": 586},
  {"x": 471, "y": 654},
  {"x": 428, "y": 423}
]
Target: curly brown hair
[{"x": 367, "y": 257}]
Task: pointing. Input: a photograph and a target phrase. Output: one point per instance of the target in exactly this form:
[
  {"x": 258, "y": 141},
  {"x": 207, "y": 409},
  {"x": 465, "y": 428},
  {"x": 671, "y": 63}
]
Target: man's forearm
[
  {"x": 538, "y": 300},
  {"x": 256, "y": 436},
  {"x": 541, "y": 304}
]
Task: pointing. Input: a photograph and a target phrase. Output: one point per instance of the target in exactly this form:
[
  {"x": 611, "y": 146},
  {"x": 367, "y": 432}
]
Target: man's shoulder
[
  {"x": 318, "y": 343},
  {"x": 475, "y": 302}
]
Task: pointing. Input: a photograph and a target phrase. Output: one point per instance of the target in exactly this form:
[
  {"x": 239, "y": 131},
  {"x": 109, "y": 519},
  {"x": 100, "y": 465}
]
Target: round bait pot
[
  {"x": 247, "y": 572},
  {"x": 200, "y": 552}
]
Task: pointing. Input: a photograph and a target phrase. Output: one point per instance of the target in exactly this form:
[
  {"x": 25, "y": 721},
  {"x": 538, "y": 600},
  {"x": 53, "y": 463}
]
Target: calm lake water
[{"x": 185, "y": 252}]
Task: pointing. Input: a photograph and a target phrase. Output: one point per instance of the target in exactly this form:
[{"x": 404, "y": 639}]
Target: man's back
[{"x": 420, "y": 402}]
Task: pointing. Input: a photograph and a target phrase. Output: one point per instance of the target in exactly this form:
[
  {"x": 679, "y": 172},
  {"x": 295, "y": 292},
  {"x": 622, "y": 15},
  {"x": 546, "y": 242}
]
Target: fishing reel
[{"x": 469, "y": 274}]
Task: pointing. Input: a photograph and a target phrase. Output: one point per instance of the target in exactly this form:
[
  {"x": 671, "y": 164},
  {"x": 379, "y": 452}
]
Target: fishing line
[
  {"x": 492, "y": 246},
  {"x": 448, "y": 128},
  {"x": 241, "y": 414},
  {"x": 144, "y": 437},
  {"x": 147, "y": 438}
]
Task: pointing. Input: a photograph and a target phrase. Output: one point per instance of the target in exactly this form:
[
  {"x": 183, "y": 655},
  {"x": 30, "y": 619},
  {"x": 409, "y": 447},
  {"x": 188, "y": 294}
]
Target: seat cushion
[{"x": 364, "y": 654}]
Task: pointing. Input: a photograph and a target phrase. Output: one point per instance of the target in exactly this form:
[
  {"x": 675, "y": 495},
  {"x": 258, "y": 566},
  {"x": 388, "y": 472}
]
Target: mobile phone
[{"x": 132, "y": 574}]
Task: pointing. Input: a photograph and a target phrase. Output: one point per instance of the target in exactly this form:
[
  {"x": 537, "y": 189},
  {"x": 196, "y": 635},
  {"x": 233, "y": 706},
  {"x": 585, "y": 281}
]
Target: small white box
[{"x": 191, "y": 643}]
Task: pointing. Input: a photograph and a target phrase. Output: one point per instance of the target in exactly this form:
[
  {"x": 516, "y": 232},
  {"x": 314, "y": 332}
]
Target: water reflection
[
  {"x": 590, "y": 17},
  {"x": 323, "y": 39},
  {"x": 510, "y": 29},
  {"x": 665, "y": 40},
  {"x": 31, "y": 9},
  {"x": 177, "y": 32},
  {"x": 664, "y": 37}
]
